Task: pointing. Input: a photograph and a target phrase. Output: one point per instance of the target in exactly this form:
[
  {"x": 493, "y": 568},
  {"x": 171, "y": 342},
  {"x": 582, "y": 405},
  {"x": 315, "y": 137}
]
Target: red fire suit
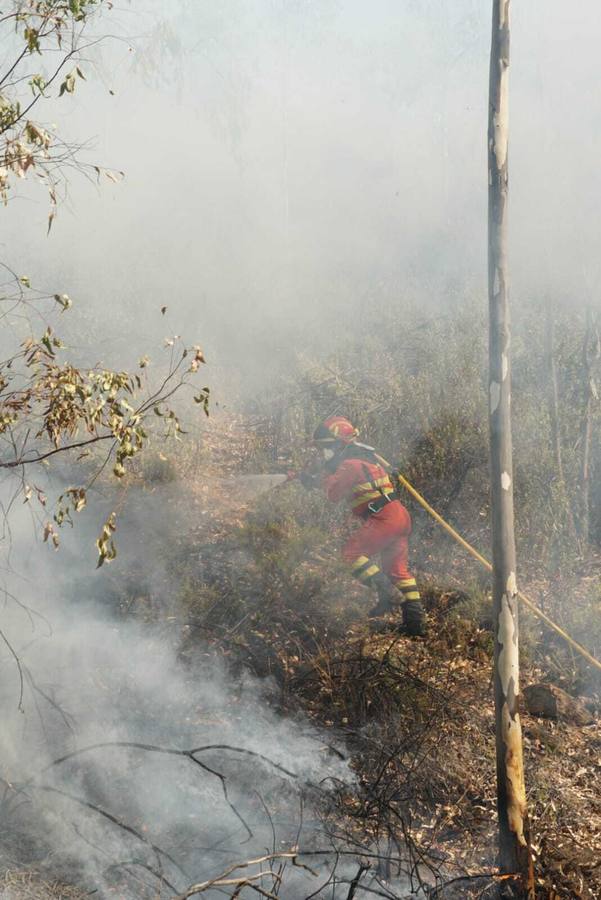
[{"x": 384, "y": 533}]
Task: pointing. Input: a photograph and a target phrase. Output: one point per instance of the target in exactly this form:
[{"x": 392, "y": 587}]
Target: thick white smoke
[
  {"x": 290, "y": 165},
  {"x": 93, "y": 678}
]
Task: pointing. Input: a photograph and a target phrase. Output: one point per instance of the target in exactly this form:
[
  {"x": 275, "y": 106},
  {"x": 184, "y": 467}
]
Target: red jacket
[{"x": 358, "y": 481}]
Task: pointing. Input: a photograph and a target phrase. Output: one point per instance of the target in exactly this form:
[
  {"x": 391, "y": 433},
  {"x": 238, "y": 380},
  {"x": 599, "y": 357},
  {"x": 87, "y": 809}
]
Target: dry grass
[
  {"x": 418, "y": 716},
  {"x": 27, "y": 884},
  {"x": 260, "y": 580}
]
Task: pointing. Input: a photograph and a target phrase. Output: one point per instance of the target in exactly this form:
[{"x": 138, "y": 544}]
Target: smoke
[
  {"x": 93, "y": 679},
  {"x": 290, "y": 163},
  {"x": 293, "y": 168}
]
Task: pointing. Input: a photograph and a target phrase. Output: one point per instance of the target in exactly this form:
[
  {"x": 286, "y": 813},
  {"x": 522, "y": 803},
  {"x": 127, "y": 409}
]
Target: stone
[{"x": 551, "y": 702}]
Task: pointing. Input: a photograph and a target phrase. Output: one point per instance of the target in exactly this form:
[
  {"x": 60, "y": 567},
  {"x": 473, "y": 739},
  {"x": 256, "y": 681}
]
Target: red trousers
[{"x": 385, "y": 534}]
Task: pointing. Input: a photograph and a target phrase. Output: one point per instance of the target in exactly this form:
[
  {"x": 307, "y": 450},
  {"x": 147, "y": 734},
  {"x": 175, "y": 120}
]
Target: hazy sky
[{"x": 287, "y": 159}]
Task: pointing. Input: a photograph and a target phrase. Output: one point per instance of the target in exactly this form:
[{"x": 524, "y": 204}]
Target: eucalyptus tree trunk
[
  {"x": 591, "y": 351},
  {"x": 514, "y": 837},
  {"x": 554, "y": 420},
  {"x": 553, "y": 393}
]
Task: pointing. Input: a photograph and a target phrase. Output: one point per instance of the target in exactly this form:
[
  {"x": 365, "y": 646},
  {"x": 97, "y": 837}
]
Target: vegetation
[
  {"x": 50, "y": 38},
  {"x": 255, "y": 576},
  {"x": 48, "y": 405},
  {"x": 264, "y": 584}
]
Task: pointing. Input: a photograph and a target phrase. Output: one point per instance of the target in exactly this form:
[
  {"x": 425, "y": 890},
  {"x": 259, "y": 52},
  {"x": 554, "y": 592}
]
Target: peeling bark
[
  {"x": 516, "y": 790},
  {"x": 495, "y": 394},
  {"x": 514, "y": 836}
]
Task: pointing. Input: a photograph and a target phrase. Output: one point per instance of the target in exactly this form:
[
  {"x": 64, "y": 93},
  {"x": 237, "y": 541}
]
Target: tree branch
[
  {"x": 14, "y": 463},
  {"x": 158, "y": 851},
  {"x": 186, "y": 754},
  {"x": 224, "y": 879}
]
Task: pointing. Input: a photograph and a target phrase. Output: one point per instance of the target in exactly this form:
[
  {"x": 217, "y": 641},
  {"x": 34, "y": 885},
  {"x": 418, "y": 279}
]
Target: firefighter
[{"x": 355, "y": 473}]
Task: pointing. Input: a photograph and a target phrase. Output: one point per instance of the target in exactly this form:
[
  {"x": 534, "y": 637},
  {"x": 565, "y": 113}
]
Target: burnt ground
[{"x": 420, "y": 713}]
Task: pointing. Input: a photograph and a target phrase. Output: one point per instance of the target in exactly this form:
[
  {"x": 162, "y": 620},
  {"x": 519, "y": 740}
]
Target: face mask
[{"x": 327, "y": 453}]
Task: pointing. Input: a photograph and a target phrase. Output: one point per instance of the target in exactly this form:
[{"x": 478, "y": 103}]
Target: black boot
[
  {"x": 382, "y": 607},
  {"x": 389, "y": 598},
  {"x": 414, "y": 618}
]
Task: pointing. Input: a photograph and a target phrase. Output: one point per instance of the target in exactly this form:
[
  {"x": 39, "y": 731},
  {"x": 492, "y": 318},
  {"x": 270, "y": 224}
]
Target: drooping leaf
[{"x": 68, "y": 85}]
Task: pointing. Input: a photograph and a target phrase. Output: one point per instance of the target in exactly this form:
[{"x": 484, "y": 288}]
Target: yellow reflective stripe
[
  {"x": 364, "y": 568},
  {"x": 408, "y": 587},
  {"x": 367, "y": 498},
  {"x": 369, "y": 573},
  {"x": 370, "y": 485}
]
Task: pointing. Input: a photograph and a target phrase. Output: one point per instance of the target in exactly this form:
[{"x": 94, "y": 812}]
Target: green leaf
[
  {"x": 32, "y": 37},
  {"x": 68, "y": 85},
  {"x": 37, "y": 83},
  {"x": 47, "y": 342},
  {"x": 75, "y": 7}
]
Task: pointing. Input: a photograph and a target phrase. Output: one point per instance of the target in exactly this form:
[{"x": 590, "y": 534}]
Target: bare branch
[
  {"x": 158, "y": 851},
  {"x": 15, "y": 656},
  {"x": 185, "y": 754},
  {"x": 14, "y": 463},
  {"x": 224, "y": 879}
]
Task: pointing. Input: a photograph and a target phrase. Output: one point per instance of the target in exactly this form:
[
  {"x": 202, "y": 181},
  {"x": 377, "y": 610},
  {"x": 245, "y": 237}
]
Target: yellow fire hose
[{"x": 484, "y": 562}]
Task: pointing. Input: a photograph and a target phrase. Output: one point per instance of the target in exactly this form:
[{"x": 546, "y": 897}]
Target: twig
[
  {"x": 355, "y": 882},
  {"x": 186, "y": 754},
  {"x": 224, "y": 879},
  {"x": 14, "y": 654},
  {"x": 158, "y": 851},
  {"x": 138, "y": 862}
]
